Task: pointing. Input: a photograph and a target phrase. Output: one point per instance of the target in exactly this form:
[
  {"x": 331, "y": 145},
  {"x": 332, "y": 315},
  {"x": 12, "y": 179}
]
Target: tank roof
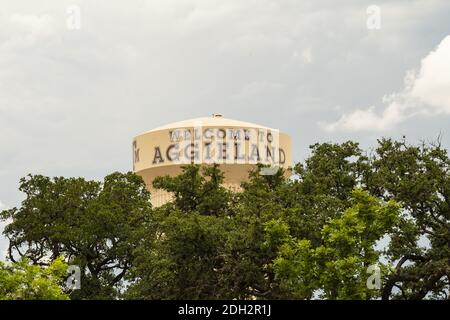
[{"x": 215, "y": 121}]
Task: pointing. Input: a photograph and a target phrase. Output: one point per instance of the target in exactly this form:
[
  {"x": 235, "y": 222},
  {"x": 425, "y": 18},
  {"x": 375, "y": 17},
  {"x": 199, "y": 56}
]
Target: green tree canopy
[
  {"x": 339, "y": 266},
  {"x": 24, "y": 281},
  {"x": 418, "y": 177},
  {"x": 91, "y": 224},
  {"x": 313, "y": 235}
]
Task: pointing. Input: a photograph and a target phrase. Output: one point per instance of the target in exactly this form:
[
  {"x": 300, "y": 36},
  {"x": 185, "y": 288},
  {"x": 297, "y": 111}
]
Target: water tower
[{"x": 237, "y": 146}]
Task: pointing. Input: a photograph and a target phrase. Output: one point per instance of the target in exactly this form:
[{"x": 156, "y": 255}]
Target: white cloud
[
  {"x": 426, "y": 92},
  {"x": 32, "y": 22},
  {"x": 366, "y": 119},
  {"x": 28, "y": 30},
  {"x": 432, "y": 85}
]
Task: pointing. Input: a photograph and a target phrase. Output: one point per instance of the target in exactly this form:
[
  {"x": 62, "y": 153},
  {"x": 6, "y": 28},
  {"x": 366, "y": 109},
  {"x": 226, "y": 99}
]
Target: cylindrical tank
[{"x": 236, "y": 146}]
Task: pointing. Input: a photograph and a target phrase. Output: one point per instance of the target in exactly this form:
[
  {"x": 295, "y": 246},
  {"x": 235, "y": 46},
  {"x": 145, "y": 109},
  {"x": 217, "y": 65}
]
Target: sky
[{"x": 79, "y": 79}]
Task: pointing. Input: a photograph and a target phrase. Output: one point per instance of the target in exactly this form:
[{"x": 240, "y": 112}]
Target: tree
[
  {"x": 419, "y": 178},
  {"x": 181, "y": 254},
  {"x": 247, "y": 271},
  {"x": 416, "y": 177},
  {"x": 324, "y": 185},
  {"x": 338, "y": 267},
  {"x": 90, "y": 224},
  {"x": 197, "y": 189},
  {"x": 25, "y": 281},
  {"x": 313, "y": 235},
  {"x": 182, "y": 260}
]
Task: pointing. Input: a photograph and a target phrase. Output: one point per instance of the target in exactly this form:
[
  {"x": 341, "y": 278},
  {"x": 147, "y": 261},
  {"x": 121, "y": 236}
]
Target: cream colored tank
[{"x": 236, "y": 145}]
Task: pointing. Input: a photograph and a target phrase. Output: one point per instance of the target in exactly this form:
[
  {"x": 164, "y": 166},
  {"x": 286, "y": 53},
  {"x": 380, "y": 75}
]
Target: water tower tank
[{"x": 237, "y": 146}]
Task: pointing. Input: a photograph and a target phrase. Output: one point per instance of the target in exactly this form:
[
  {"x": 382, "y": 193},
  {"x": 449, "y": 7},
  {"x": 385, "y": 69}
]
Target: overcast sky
[{"x": 79, "y": 79}]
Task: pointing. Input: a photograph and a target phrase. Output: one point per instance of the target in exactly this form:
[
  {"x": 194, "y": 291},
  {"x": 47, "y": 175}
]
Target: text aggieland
[{"x": 219, "y": 145}]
